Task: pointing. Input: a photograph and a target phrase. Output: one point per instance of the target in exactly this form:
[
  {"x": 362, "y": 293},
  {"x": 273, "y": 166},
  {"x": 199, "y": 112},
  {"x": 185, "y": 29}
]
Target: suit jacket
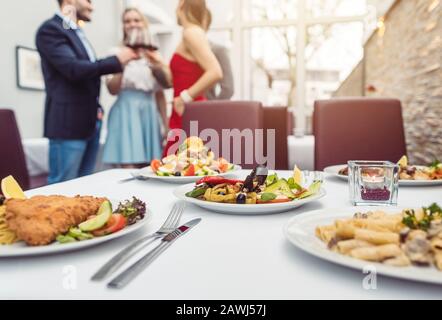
[{"x": 72, "y": 82}]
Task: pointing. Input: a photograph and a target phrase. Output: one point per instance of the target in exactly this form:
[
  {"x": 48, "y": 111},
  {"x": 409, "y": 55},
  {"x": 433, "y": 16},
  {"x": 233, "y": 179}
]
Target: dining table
[{"x": 226, "y": 256}]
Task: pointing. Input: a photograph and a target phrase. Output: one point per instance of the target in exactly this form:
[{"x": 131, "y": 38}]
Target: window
[
  {"x": 268, "y": 10},
  {"x": 272, "y": 66},
  {"x": 331, "y": 54},
  {"x": 336, "y": 8},
  {"x": 291, "y": 52}
]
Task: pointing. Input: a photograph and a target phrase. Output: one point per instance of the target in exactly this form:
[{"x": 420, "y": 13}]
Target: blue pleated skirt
[{"x": 134, "y": 132}]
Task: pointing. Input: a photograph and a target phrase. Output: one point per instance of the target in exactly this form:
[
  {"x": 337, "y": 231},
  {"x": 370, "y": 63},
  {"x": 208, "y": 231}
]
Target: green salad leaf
[{"x": 294, "y": 185}]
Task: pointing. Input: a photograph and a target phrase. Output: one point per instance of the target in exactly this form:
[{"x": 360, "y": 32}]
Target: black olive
[
  {"x": 2, "y": 199},
  {"x": 177, "y": 174},
  {"x": 241, "y": 198}
]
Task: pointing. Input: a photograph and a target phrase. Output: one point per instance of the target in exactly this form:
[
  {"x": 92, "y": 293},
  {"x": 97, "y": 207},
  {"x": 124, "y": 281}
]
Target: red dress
[{"x": 185, "y": 74}]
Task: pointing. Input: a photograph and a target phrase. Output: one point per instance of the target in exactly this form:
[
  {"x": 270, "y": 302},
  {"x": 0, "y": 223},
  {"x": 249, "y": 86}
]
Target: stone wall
[
  {"x": 353, "y": 86},
  {"x": 405, "y": 62}
]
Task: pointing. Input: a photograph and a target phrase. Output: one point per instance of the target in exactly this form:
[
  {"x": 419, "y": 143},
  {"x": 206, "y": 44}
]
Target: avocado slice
[
  {"x": 281, "y": 186},
  {"x": 103, "y": 216},
  {"x": 271, "y": 179},
  {"x": 312, "y": 190}
]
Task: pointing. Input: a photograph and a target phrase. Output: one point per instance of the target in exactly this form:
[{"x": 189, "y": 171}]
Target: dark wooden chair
[{"x": 12, "y": 156}]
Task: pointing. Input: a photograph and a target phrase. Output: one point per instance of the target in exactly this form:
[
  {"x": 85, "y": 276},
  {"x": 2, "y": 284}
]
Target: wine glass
[{"x": 140, "y": 39}]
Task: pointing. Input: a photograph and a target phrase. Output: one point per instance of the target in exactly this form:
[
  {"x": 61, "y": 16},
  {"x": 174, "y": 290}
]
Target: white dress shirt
[{"x": 70, "y": 24}]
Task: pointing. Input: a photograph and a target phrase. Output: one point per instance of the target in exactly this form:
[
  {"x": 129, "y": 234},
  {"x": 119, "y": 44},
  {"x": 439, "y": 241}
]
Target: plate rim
[
  {"x": 348, "y": 262},
  {"x": 69, "y": 247},
  {"x": 186, "y": 179}
]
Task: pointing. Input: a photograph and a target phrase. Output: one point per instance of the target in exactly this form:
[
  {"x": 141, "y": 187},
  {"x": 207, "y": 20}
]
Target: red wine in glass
[
  {"x": 149, "y": 47},
  {"x": 140, "y": 39}
]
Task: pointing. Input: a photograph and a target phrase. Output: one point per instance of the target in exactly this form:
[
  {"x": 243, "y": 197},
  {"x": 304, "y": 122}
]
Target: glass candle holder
[{"x": 373, "y": 183}]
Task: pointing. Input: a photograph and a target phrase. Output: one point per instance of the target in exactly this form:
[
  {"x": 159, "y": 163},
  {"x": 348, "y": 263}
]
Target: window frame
[{"x": 242, "y": 63}]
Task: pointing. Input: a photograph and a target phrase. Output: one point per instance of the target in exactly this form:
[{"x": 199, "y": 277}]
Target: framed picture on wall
[{"x": 29, "y": 74}]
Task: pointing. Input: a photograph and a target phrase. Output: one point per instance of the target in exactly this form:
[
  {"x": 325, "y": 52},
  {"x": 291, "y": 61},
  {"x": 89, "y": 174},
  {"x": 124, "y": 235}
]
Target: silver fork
[
  {"x": 171, "y": 223},
  {"x": 135, "y": 176}
]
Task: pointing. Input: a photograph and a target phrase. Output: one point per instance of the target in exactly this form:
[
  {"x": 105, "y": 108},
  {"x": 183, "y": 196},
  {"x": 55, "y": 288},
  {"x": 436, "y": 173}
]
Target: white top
[
  {"x": 224, "y": 257},
  {"x": 137, "y": 75}
]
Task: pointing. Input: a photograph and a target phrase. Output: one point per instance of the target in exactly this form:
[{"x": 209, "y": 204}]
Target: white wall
[{"x": 19, "y": 20}]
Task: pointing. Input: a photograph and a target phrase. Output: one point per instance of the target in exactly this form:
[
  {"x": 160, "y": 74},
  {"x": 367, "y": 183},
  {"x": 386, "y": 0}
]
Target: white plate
[
  {"x": 300, "y": 231},
  {"x": 149, "y": 174},
  {"x": 246, "y": 209},
  {"x": 20, "y": 249},
  {"x": 334, "y": 170}
]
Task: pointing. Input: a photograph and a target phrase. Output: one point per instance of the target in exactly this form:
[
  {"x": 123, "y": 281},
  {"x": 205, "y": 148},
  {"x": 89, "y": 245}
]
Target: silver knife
[{"x": 134, "y": 270}]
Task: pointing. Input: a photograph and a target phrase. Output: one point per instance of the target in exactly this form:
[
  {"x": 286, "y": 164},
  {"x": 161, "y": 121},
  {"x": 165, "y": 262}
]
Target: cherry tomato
[
  {"x": 223, "y": 167},
  {"x": 190, "y": 171},
  {"x": 273, "y": 201},
  {"x": 115, "y": 224},
  {"x": 155, "y": 165}
]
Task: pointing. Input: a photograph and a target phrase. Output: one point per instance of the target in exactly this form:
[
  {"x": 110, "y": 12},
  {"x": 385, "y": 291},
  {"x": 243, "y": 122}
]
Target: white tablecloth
[
  {"x": 224, "y": 257},
  {"x": 37, "y": 156},
  {"x": 302, "y": 152}
]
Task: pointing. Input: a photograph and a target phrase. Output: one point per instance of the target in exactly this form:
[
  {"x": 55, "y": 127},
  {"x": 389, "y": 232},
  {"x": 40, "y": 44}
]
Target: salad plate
[
  {"x": 192, "y": 161},
  {"x": 148, "y": 173},
  {"x": 259, "y": 193}
]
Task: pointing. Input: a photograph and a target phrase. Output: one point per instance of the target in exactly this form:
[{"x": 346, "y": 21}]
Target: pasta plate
[{"x": 300, "y": 231}]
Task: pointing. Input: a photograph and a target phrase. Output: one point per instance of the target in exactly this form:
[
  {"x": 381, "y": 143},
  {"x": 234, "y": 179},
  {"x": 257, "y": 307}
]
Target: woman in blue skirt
[{"x": 134, "y": 132}]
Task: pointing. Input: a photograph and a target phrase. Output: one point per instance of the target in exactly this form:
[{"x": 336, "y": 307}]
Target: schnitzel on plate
[{"x": 39, "y": 220}]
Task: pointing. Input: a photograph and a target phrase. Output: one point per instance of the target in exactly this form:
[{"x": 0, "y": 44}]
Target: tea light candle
[{"x": 373, "y": 182}]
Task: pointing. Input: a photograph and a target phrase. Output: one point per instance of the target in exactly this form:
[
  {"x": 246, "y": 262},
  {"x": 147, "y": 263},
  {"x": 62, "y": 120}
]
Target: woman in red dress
[{"x": 194, "y": 68}]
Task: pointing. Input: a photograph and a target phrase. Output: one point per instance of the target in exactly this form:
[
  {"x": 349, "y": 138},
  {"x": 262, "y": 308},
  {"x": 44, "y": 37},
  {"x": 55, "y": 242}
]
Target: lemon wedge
[
  {"x": 297, "y": 176},
  {"x": 11, "y": 189},
  {"x": 403, "y": 162}
]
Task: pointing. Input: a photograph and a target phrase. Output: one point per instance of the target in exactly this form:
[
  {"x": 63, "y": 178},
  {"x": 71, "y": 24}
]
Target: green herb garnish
[
  {"x": 430, "y": 213},
  {"x": 294, "y": 185},
  {"x": 435, "y": 164}
]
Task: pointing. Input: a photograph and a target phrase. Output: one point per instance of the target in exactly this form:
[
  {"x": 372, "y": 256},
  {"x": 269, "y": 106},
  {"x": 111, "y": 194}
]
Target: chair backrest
[
  {"x": 358, "y": 129},
  {"x": 12, "y": 156},
  {"x": 226, "y": 116},
  {"x": 277, "y": 118}
]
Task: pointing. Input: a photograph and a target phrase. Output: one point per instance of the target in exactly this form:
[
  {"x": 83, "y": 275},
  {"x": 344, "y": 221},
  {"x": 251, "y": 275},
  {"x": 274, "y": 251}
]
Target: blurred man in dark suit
[{"x": 72, "y": 77}]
